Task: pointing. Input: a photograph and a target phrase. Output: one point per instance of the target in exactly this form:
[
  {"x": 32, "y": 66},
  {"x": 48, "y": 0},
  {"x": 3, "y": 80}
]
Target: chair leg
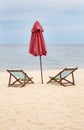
[
  {"x": 9, "y": 83},
  {"x": 31, "y": 80},
  {"x": 17, "y": 80},
  {"x": 51, "y": 78},
  {"x": 49, "y": 81},
  {"x": 73, "y": 79}
]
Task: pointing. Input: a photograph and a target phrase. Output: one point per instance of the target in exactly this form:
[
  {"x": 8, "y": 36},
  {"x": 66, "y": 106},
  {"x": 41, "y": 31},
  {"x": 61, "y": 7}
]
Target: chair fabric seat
[{"x": 64, "y": 74}]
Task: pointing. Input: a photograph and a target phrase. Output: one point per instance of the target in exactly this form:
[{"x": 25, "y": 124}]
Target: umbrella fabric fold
[{"x": 37, "y": 45}]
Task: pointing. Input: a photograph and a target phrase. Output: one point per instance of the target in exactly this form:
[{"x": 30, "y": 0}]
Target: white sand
[{"x": 42, "y": 106}]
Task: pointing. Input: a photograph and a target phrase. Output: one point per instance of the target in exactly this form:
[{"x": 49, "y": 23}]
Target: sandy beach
[{"x": 42, "y": 106}]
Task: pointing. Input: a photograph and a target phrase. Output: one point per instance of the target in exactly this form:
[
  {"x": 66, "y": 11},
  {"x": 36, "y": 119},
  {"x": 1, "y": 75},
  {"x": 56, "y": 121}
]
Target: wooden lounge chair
[
  {"x": 20, "y": 76},
  {"x": 61, "y": 77}
]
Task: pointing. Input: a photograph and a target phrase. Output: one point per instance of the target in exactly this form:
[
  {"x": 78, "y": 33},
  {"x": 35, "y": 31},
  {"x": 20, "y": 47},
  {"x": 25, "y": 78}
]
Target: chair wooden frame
[
  {"x": 62, "y": 76},
  {"x": 22, "y": 81}
]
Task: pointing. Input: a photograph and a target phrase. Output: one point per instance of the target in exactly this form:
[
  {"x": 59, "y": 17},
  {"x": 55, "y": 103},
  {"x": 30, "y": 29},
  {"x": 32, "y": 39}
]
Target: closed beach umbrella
[{"x": 37, "y": 45}]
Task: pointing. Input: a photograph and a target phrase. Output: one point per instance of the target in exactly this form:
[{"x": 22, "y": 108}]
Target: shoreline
[{"x": 44, "y": 69}]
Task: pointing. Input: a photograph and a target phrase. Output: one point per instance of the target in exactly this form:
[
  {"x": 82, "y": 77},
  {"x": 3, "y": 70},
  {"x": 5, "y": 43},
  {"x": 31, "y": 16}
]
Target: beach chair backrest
[
  {"x": 64, "y": 73},
  {"x": 18, "y": 75}
]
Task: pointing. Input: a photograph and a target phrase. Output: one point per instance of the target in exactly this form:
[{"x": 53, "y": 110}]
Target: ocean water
[{"x": 14, "y": 56}]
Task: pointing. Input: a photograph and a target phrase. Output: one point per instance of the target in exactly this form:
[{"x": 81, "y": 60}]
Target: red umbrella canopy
[{"x": 37, "y": 44}]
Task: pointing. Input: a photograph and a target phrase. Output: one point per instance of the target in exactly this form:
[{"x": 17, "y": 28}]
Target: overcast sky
[{"x": 62, "y": 20}]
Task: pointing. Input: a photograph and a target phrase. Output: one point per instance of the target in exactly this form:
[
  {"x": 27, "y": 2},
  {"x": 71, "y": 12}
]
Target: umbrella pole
[{"x": 41, "y": 70}]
